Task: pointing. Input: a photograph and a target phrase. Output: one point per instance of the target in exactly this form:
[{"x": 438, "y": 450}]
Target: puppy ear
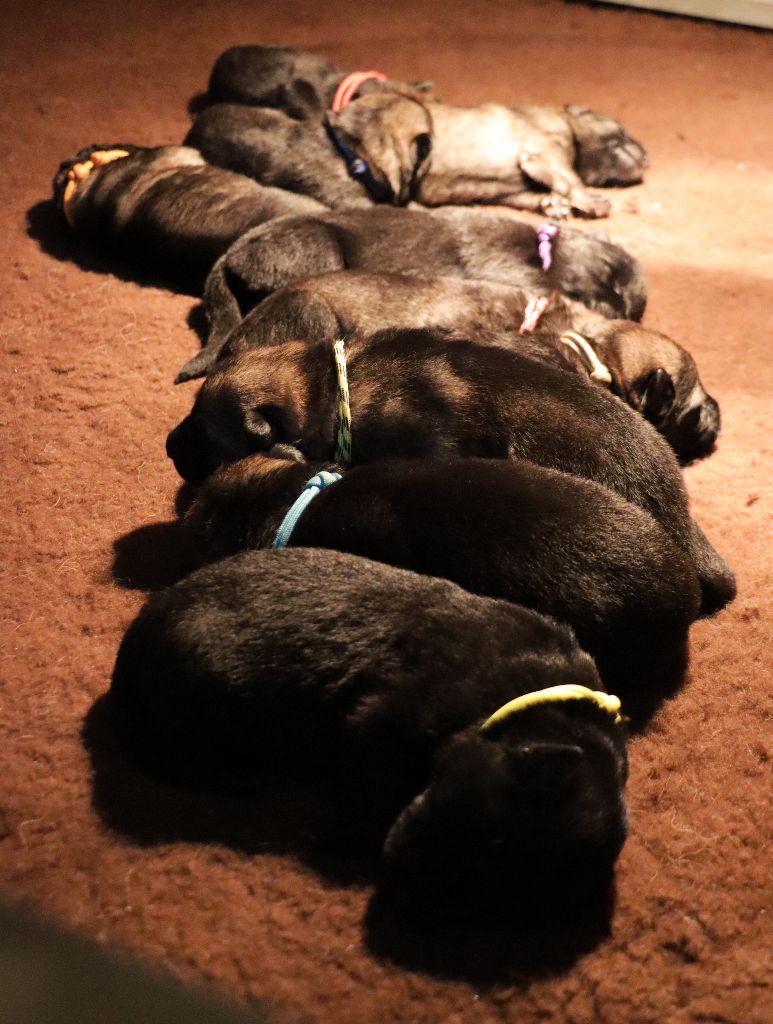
[
  {"x": 548, "y": 766},
  {"x": 653, "y": 395},
  {"x": 421, "y": 150},
  {"x": 426, "y": 86},
  {"x": 271, "y": 424}
]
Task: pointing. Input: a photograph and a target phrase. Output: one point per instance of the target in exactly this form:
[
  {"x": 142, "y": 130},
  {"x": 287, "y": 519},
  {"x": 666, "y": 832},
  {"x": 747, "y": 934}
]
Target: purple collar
[{"x": 545, "y": 235}]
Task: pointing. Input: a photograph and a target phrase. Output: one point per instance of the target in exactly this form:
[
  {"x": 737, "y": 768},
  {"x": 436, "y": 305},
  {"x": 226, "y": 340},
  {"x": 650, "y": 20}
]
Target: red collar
[{"x": 347, "y": 87}]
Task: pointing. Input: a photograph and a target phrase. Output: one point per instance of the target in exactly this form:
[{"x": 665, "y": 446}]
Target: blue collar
[
  {"x": 358, "y": 169},
  {"x": 296, "y": 510}
]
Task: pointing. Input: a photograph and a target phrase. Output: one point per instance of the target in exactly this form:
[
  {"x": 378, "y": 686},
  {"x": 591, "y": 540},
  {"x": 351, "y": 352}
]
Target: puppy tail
[{"x": 717, "y": 580}]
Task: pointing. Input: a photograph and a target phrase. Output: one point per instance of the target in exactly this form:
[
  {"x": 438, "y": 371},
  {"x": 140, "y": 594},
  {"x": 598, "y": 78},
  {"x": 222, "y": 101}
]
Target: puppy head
[
  {"x": 522, "y": 819},
  {"x": 658, "y": 378},
  {"x": 236, "y": 412},
  {"x": 390, "y": 137},
  {"x": 606, "y": 153}
]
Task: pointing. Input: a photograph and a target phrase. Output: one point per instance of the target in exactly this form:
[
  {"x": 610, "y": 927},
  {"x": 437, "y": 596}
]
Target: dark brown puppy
[
  {"x": 164, "y": 207},
  {"x": 455, "y": 242},
  {"x": 331, "y": 667},
  {"x": 375, "y": 150},
  {"x": 645, "y": 368},
  {"x": 417, "y": 393},
  {"x": 549, "y": 541},
  {"x": 530, "y": 158},
  {"x": 301, "y": 84}
]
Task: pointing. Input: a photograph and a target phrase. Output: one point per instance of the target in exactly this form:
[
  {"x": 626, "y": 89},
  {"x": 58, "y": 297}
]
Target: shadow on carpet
[
  {"x": 47, "y": 227},
  {"x": 289, "y": 818}
]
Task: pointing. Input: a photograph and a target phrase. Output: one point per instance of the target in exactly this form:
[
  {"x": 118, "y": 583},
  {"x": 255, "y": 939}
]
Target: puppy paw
[
  {"x": 553, "y": 205},
  {"x": 589, "y": 205}
]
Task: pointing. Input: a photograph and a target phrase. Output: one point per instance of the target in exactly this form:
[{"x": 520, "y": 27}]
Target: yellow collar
[
  {"x": 80, "y": 171},
  {"x": 568, "y": 691},
  {"x": 585, "y": 351}
]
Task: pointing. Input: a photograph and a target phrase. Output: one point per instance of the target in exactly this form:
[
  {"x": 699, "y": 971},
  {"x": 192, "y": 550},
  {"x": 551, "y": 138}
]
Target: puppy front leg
[
  {"x": 466, "y": 190},
  {"x": 549, "y": 168}
]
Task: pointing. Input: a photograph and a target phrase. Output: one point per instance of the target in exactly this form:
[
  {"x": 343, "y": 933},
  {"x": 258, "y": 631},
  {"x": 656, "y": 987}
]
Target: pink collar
[
  {"x": 347, "y": 87},
  {"x": 535, "y": 307}
]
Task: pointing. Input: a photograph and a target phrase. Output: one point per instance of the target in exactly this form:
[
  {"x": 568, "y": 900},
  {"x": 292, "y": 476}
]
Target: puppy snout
[
  {"x": 182, "y": 449},
  {"x": 698, "y": 429},
  {"x": 709, "y": 421}
]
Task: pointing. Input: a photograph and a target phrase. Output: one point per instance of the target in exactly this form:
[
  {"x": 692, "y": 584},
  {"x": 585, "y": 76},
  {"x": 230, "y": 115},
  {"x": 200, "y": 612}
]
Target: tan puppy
[{"x": 530, "y": 158}]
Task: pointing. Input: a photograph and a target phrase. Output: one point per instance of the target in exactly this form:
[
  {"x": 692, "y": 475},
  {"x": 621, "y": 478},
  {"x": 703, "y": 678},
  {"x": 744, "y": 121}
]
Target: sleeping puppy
[
  {"x": 300, "y": 84},
  {"x": 164, "y": 207},
  {"x": 251, "y": 667},
  {"x": 455, "y": 242},
  {"x": 644, "y": 368},
  {"x": 530, "y": 158},
  {"x": 417, "y": 393},
  {"x": 513, "y": 530},
  {"x": 375, "y": 150}
]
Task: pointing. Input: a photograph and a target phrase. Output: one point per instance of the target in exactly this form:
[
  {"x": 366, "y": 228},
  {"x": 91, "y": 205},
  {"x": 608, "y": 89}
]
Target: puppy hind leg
[{"x": 464, "y": 190}]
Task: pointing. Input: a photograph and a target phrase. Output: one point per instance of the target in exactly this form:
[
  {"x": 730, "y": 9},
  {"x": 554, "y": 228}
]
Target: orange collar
[
  {"x": 347, "y": 87},
  {"x": 80, "y": 171}
]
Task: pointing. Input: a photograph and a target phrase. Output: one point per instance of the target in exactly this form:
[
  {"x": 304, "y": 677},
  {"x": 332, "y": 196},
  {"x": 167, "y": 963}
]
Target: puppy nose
[
  {"x": 181, "y": 451},
  {"x": 709, "y": 419}
]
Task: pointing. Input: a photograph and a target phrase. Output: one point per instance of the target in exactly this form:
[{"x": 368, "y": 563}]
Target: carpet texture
[{"x": 215, "y": 889}]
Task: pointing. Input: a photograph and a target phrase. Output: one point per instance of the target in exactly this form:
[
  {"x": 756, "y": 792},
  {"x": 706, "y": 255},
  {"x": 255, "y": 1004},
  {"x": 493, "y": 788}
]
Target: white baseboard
[{"x": 744, "y": 12}]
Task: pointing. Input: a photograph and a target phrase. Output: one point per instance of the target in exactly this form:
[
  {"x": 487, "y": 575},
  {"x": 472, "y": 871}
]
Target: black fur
[
  {"x": 317, "y": 662},
  {"x": 416, "y": 393},
  {"x": 381, "y": 132},
  {"x": 453, "y": 242},
  {"x": 508, "y": 529},
  {"x": 300, "y": 84},
  {"x": 649, "y": 371},
  {"x": 164, "y": 209}
]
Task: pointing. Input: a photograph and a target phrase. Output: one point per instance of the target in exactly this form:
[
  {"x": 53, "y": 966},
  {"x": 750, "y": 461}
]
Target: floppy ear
[
  {"x": 270, "y": 424},
  {"x": 421, "y": 151},
  {"x": 654, "y": 395}
]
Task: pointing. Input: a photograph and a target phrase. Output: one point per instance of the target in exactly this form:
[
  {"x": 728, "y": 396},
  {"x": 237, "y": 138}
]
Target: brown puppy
[
  {"x": 453, "y": 242},
  {"x": 513, "y": 530},
  {"x": 375, "y": 150},
  {"x": 301, "y": 84},
  {"x": 417, "y": 393},
  {"x": 530, "y": 158},
  {"x": 164, "y": 207},
  {"x": 646, "y": 369}
]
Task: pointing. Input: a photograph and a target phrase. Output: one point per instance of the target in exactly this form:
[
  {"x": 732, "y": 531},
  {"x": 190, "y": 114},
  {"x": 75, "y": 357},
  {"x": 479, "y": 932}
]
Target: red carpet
[{"x": 204, "y": 888}]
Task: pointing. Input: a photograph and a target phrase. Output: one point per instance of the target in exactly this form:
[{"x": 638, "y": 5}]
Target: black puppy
[
  {"x": 500, "y": 528},
  {"x": 417, "y": 393},
  {"x": 301, "y": 84},
  {"x": 164, "y": 207},
  {"x": 398, "y": 688},
  {"x": 454, "y": 242},
  {"x": 375, "y": 150},
  {"x": 646, "y": 369}
]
